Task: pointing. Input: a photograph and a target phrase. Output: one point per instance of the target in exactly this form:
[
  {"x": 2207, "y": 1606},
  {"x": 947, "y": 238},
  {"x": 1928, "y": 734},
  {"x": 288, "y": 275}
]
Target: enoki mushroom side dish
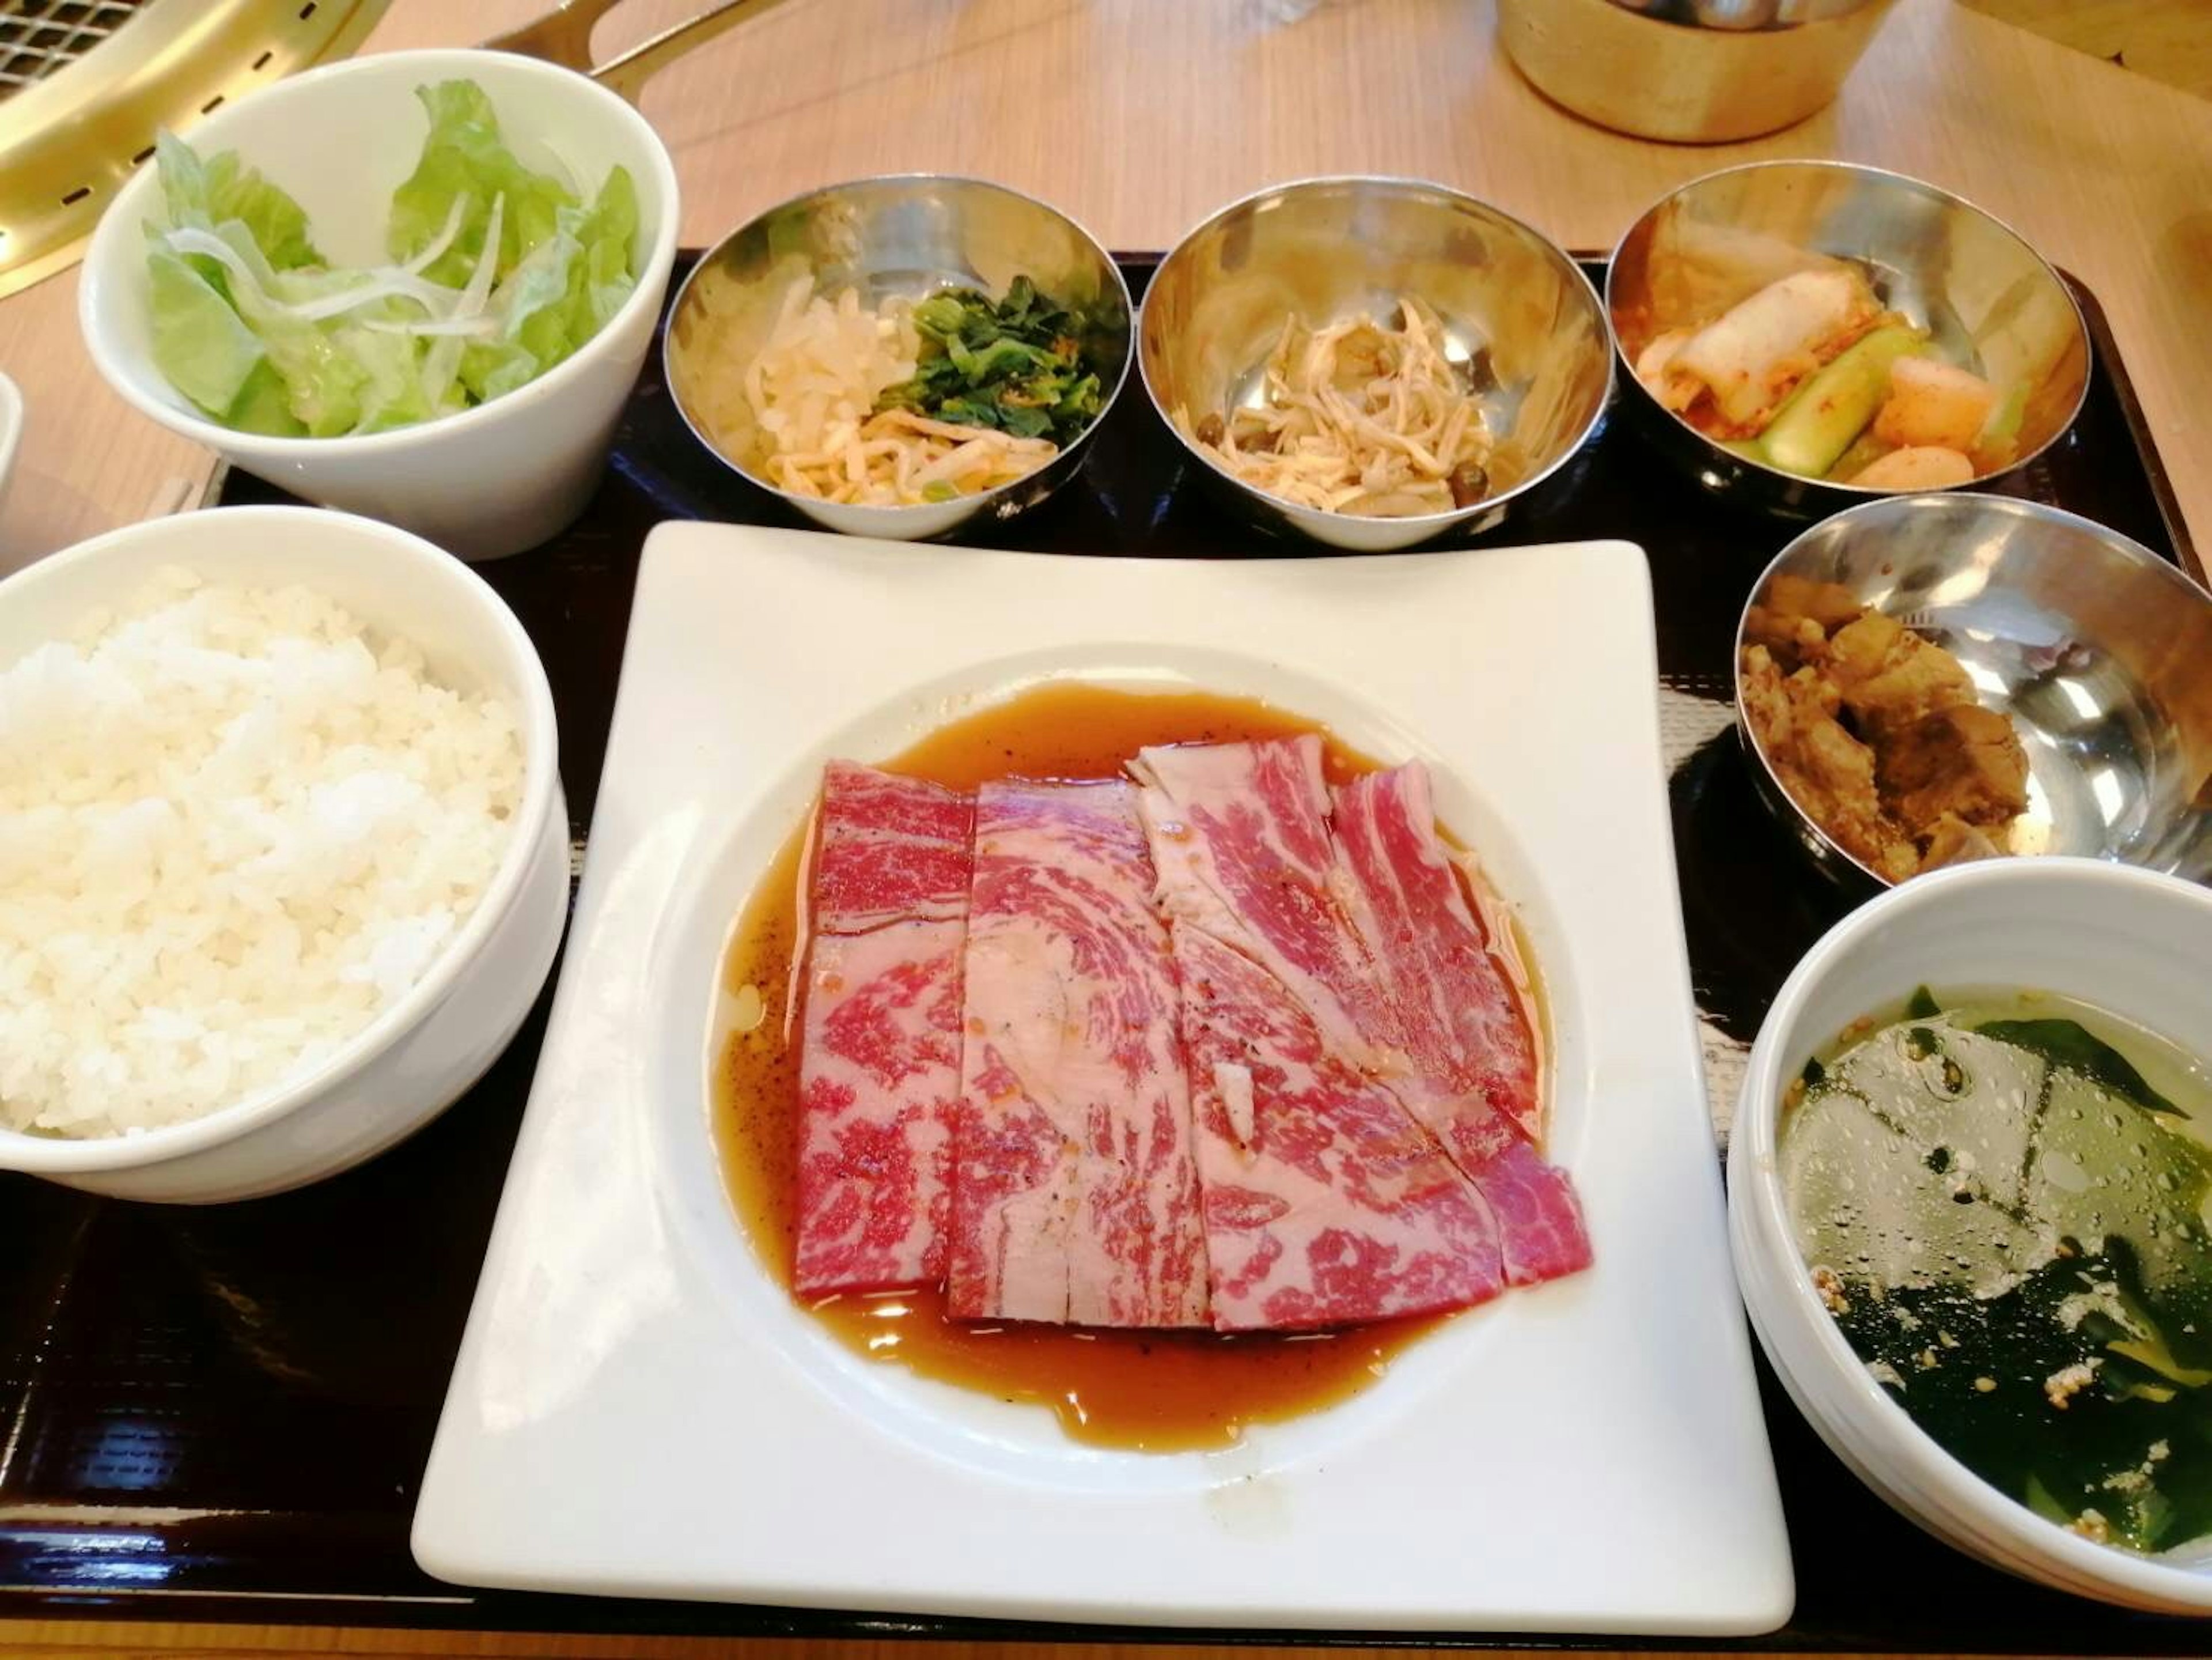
[{"x": 1360, "y": 418}]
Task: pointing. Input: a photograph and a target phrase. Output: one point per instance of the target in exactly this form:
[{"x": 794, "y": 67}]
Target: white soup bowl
[{"x": 2127, "y": 940}]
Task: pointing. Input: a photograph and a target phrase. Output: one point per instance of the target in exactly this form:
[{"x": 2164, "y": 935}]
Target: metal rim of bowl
[
  {"x": 2012, "y": 504},
  {"x": 192, "y": 423},
  {"x": 977, "y": 502},
  {"x": 1435, "y": 522},
  {"x": 1879, "y": 1422},
  {"x": 1626, "y": 370}
]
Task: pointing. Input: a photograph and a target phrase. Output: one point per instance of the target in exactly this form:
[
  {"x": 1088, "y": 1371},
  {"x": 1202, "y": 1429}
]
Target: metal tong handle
[{"x": 563, "y": 36}]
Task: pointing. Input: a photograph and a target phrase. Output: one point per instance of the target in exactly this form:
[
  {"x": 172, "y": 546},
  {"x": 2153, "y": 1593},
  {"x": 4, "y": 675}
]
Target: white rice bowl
[{"x": 234, "y": 828}]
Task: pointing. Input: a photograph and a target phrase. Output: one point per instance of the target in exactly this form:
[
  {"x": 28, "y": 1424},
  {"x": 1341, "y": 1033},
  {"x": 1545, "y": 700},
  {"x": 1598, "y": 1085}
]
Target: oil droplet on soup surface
[{"x": 1154, "y": 1390}]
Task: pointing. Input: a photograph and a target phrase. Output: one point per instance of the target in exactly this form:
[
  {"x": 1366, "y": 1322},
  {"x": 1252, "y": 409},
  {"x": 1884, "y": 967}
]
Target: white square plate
[{"x": 638, "y": 1409}]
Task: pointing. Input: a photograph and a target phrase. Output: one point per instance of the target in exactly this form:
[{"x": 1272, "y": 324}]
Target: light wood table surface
[
  {"x": 1139, "y": 116},
  {"x": 2169, "y": 40}
]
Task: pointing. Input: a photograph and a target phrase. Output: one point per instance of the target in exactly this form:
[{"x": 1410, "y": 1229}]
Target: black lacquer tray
[{"x": 223, "y": 1412}]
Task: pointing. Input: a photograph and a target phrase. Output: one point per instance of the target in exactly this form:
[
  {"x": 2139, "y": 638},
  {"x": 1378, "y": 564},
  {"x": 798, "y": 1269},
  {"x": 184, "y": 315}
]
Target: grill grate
[
  {"x": 86, "y": 84},
  {"x": 38, "y": 37}
]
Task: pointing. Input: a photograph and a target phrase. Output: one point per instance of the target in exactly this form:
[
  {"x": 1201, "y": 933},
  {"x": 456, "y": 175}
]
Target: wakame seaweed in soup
[{"x": 2003, "y": 1203}]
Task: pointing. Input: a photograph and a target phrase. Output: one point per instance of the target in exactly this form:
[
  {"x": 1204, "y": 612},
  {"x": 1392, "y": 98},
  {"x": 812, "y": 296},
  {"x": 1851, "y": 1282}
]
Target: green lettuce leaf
[
  {"x": 489, "y": 367},
  {"x": 323, "y": 377},
  {"x": 200, "y": 343},
  {"x": 211, "y": 193},
  {"x": 393, "y": 392},
  {"x": 277, "y": 224},
  {"x": 610, "y": 238},
  {"x": 263, "y": 405},
  {"x": 464, "y": 159},
  {"x": 254, "y": 326},
  {"x": 561, "y": 295},
  {"x": 537, "y": 304}
]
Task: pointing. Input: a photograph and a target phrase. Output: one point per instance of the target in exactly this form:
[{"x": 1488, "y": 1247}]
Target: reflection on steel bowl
[
  {"x": 1689, "y": 71},
  {"x": 897, "y": 356},
  {"x": 2097, "y": 651}
]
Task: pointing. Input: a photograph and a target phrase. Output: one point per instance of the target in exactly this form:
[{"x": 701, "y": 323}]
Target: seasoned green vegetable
[
  {"x": 498, "y": 274},
  {"x": 1835, "y": 404},
  {"x": 2001, "y": 432},
  {"x": 2069, "y": 1043},
  {"x": 2007, "y": 1219},
  {"x": 1015, "y": 365},
  {"x": 1865, "y": 450}
]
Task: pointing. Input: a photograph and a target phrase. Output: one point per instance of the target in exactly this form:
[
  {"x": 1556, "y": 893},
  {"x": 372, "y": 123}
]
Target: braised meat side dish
[{"x": 1876, "y": 734}]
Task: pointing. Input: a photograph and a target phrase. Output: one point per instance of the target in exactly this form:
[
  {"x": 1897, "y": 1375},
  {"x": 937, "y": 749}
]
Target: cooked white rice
[{"x": 233, "y": 828}]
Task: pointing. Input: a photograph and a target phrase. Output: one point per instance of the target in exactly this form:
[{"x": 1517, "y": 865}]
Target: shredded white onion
[
  {"x": 381, "y": 283},
  {"x": 438, "y": 244},
  {"x": 801, "y": 410}
]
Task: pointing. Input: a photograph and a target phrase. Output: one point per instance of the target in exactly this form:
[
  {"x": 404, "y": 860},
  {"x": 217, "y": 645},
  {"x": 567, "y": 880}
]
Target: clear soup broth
[{"x": 2001, "y": 1197}]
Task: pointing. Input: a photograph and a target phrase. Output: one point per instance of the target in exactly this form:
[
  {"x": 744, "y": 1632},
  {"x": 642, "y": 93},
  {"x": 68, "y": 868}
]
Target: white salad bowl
[
  {"x": 489, "y": 481},
  {"x": 2124, "y": 940},
  {"x": 429, "y": 1045}
]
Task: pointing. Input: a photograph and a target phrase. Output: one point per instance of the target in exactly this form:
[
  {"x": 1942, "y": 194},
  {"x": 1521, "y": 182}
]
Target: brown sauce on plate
[{"x": 1154, "y": 1390}]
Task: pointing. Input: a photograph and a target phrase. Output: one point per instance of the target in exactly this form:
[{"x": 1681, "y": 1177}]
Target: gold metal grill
[
  {"x": 86, "y": 84},
  {"x": 38, "y": 37}
]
